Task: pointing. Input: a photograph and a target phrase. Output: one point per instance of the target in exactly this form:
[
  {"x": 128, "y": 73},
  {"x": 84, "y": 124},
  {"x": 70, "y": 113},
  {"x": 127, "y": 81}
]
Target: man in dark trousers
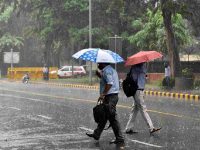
[
  {"x": 109, "y": 89},
  {"x": 138, "y": 73}
]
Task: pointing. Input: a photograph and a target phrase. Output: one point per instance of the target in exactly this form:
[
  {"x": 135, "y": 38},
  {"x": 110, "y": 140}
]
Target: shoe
[
  {"x": 92, "y": 135},
  {"x": 154, "y": 130},
  {"x": 117, "y": 141},
  {"x": 130, "y": 131}
]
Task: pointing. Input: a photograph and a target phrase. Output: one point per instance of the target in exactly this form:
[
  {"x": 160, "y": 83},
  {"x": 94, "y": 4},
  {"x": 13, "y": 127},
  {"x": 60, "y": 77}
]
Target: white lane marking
[
  {"x": 87, "y": 129},
  {"x": 14, "y": 108},
  {"x": 49, "y": 118},
  {"x": 148, "y": 144},
  {"x": 90, "y": 130},
  {"x": 2, "y": 107},
  {"x": 31, "y": 99},
  {"x": 136, "y": 141}
]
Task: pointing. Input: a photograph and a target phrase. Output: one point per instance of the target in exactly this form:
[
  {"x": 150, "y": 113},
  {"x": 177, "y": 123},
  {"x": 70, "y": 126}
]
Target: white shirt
[
  {"x": 167, "y": 71},
  {"x": 45, "y": 69}
]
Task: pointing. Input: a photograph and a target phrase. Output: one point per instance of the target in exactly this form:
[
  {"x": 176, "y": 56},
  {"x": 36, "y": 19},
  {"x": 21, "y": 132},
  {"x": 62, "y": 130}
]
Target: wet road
[{"x": 49, "y": 117}]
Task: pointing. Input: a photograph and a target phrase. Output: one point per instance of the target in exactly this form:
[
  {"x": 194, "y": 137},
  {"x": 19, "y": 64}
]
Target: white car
[{"x": 66, "y": 71}]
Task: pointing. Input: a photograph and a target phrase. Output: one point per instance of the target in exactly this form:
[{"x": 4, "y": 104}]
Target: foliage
[
  {"x": 197, "y": 84},
  {"x": 5, "y": 15},
  {"x": 187, "y": 72},
  {"x": 79, "y": 5},
  {"x": 171, "y": 83},
  {"x": 8, "y": 40},
  {"x": 151, "y": 32},
  {"x": 62, "y": 25}
]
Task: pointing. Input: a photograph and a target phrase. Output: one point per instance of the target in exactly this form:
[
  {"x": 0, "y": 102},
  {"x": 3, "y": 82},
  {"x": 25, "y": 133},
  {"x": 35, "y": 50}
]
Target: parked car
[{"x": 66, "y": 71}]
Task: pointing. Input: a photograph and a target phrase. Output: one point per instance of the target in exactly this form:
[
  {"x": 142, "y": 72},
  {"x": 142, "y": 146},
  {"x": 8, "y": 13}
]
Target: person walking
[
  {"x": 109, "y": 89},
  {"x": 138, "y": 73}
]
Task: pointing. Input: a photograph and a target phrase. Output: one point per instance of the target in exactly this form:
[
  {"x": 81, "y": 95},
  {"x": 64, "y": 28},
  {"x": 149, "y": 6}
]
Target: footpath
[{"x": 152, "y": 90}]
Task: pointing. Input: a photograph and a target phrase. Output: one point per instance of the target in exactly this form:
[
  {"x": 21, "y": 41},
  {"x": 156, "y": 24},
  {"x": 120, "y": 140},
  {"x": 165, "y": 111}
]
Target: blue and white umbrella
[{"x": 98, "y": 55}]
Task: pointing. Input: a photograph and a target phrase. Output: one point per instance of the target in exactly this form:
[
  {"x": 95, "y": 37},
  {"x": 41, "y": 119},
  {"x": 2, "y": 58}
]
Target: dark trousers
[
  {"x": 110, "y": 103},
  {"x": 46, "y": 76},
  {"x": 167, "y": 81}
]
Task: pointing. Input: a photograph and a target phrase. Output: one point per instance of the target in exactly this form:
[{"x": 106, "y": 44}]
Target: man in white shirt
[{"x": 167, "y": 74}]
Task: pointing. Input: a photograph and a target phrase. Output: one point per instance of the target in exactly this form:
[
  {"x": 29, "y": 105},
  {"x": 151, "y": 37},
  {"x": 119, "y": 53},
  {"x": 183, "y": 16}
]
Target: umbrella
[
  {"x": 142, "y": 56},
  {"x": 98, "y": 55}
]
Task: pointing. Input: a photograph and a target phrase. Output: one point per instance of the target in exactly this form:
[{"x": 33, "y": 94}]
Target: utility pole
[
  {"x": 115, "y": 51},
  {"x": 11, "y": 64},
  {"x": 90, "y": 38},
  {"x": 115, "y": 44}
]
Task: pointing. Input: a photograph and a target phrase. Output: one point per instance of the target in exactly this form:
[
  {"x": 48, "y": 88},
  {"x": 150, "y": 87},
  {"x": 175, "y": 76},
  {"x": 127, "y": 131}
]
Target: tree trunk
[{"x": 171, "y": 42}]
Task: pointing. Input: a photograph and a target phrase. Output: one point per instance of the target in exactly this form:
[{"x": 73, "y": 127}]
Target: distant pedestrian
[
  {"x": 167, "y": 74},
  {"x": 45, "y": 71},
  {"x": 138, "y": 73},
  {"x": 109, "y": 89}
]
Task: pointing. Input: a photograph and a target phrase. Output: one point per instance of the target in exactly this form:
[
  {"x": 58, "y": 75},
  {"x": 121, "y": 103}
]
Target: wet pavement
[{"x": 48, "y": 117}]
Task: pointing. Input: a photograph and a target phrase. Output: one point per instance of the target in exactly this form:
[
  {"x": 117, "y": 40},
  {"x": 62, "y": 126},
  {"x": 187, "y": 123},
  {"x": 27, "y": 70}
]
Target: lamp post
[{"x": 90, "y": 38}]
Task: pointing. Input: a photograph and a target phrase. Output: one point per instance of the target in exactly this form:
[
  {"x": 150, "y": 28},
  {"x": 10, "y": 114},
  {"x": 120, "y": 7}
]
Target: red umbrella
[{"x": 142, "y": 56}]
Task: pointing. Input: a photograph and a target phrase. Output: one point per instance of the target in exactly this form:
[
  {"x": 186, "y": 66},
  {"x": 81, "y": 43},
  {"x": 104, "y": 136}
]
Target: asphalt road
[{"x": 36, "y": 116}]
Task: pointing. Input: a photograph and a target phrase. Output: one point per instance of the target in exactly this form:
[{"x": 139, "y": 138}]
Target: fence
[
  {"x": 34, "y": 72},
  {"x": 158, "y": 66}
]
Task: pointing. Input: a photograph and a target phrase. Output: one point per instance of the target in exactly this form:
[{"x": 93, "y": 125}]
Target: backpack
[{"x": 129, "y": 85}]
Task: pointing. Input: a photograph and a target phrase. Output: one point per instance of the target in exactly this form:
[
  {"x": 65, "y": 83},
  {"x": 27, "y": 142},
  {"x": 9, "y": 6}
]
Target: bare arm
[
  {"x": 107, "y": 88},
  {"x": 105, "y": 91}
]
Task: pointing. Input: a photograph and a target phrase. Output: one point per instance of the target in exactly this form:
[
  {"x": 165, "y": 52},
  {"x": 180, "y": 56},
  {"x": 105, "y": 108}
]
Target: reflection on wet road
[{"x": 42, "y": 117}]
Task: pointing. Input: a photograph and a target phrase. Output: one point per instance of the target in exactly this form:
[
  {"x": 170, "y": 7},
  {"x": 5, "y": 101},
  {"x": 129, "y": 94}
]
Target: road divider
[{"x": 185, "y": 96}]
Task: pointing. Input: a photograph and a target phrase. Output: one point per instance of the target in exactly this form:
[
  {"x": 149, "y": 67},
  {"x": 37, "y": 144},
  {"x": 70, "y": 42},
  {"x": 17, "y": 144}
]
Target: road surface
[{"x": 37, "y": 116}]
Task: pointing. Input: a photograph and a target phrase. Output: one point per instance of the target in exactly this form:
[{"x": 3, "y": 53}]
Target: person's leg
[
  {"x": 168, "y": 81},
  {"x": 143, "y": 109},
  {"x": 111, "y": 106},
  {"x": 132, "y": 117},
  {"x": 97, "y": 132},
  {"x": 43, "y": 76}
]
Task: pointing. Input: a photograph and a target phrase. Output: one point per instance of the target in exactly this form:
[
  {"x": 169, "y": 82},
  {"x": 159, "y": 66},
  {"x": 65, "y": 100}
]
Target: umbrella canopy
[
  {"x": 142, "y": 56},
  {"x": 98, "y": 55}
]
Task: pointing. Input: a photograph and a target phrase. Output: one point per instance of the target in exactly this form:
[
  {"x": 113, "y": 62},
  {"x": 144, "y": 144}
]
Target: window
[
  {"x": 65, "y": 69},
  {"x": 77, "y": 69}
]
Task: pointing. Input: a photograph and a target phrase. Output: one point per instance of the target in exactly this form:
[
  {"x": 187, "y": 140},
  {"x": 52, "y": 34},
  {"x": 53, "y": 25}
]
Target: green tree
[
  {"x": 7, "y": 39},
  {"x": 151, "y": 35},
  {"x": 164, "y": 29},
  {"x": 10, "y": 41}
]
